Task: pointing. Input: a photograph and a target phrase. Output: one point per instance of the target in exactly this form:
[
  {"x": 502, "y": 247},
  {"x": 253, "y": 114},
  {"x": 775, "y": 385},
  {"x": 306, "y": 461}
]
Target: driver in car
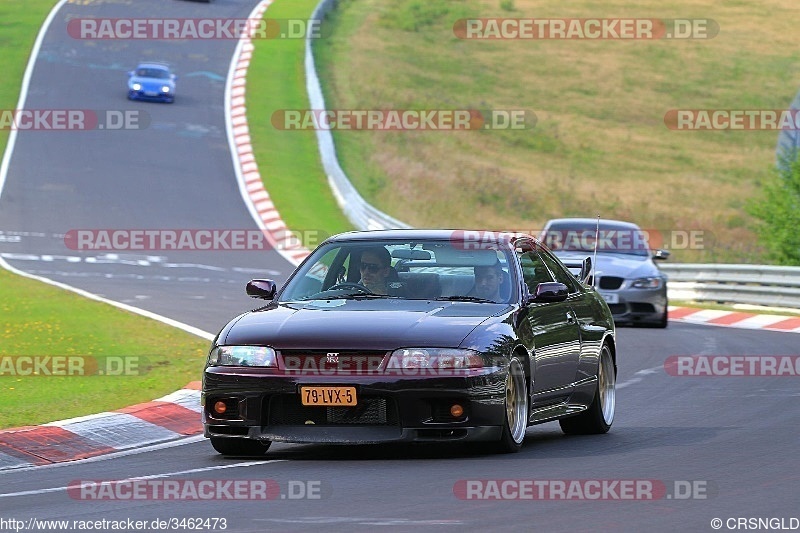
[{"x": 376, "y": 270}]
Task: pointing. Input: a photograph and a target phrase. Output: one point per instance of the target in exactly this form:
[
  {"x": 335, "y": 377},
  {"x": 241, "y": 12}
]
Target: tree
[{"x": 778, "y": 212}]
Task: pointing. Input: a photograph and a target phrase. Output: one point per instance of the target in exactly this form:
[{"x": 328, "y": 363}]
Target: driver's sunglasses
[{"x": 373, "y": 268}]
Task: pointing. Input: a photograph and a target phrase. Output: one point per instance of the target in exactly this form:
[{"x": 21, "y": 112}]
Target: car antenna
[{"x": 594, "y": 259}]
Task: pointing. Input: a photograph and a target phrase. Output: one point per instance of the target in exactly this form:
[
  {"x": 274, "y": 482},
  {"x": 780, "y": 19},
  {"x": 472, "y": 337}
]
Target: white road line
[
  {"x": 23, "y": 93},
  {"x": 37, "y": 492},
  {"x": 12, "y": 138},
  {"x": 143, "y": 312},
  {"x": 639, "y": 376}
]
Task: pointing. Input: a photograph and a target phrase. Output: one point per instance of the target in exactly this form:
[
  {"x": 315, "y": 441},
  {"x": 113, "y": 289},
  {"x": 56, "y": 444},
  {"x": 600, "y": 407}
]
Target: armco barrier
[
  {"x": 748, "y": 284},
  {"x": 361, "y": 214}
]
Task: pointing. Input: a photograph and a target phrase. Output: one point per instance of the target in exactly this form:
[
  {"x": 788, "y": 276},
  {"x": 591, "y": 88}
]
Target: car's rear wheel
[
  {"x": 600, "y": 414},
  {"x": 240, "y": 447},
  {"x": 516, "y": 412}
]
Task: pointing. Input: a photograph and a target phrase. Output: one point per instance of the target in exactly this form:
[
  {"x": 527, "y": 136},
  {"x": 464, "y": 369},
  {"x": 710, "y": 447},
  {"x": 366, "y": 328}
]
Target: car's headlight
[
  {"x": 165, "y": 89},
  {"x": 242, "y": 356},
  {"x": 646, "y": 283},
  {"x": 450, "y": 358},
  {"x": 136, "y": 86}
]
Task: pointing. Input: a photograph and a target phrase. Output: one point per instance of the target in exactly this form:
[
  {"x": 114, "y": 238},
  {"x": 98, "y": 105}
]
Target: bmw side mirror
[
  {"x": 549, "y": 292},
  {"x": 661, "y": 255},
  {"x": 261, "y": 288},
  {"x": 130, "y": 73}
]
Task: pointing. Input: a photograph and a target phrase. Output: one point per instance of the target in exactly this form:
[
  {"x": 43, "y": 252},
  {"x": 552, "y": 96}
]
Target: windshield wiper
[
  {"x": 458, "y": 298},
  {"x": 362, "y": 296}
]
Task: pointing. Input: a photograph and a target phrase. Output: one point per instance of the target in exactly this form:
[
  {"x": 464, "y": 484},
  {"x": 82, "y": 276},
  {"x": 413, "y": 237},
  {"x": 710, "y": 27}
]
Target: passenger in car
[{"x": 487, "y": 282}]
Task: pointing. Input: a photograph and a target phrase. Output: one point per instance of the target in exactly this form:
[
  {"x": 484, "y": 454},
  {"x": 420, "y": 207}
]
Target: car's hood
[
  {"x": 360, "y": 325},
  {"x": 622, "y": 265}
]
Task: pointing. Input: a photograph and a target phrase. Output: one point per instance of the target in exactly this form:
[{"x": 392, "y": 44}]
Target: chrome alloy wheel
[
  {"x": 607, "y": 385},
  {"x": 517, "y": 401}
]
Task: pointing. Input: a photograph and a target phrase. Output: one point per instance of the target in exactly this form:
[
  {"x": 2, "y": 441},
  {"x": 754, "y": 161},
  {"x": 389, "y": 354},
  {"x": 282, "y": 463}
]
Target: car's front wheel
[
  {"x": 600, "y": 414},
  {"x": 516, "y": 412},
  {"x": 240, "y": 447}
]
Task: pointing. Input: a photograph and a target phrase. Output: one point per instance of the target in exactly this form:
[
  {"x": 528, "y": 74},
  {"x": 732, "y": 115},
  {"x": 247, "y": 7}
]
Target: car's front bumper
[
  {"x": 390, "y": 408},
  {"x": 157, "y": 97},
  {"x": 632, "y": 306}
]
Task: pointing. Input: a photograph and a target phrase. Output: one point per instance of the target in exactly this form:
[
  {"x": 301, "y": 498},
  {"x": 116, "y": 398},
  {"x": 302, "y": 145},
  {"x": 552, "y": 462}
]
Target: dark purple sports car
[{"x": 413, "y": 335}]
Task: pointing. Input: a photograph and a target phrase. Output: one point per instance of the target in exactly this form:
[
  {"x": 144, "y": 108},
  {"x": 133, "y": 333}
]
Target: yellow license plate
[{"x": 328, "y": 396}]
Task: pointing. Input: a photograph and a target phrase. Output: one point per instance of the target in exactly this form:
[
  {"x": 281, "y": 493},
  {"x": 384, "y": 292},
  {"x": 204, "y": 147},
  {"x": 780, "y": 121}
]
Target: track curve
[
  {"x": 736, "y": 436},
  {"x": 175, "y": 174}
]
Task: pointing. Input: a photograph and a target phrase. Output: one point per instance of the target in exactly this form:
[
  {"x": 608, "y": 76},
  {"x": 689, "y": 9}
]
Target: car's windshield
[
  {"x": 621, "y": 239},
  {"x": 422, "y": 269},
  {"x": 148, "y": 72}
]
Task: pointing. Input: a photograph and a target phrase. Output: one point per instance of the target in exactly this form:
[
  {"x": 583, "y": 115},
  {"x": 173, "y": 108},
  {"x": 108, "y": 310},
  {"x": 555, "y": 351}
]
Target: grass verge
[
  {"x": 19, "y": 26},
  {"x": 40, "y": 320},
  {"x": 600, "y": 144},
  {"x": 289, "y": 161}
]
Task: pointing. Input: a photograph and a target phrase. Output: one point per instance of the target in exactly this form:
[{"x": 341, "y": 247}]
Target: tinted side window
[
  {"x": 534, "y": 270},
  {"x": 561, "y": 274}
]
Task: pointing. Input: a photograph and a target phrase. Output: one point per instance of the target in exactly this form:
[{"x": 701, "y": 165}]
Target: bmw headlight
[
  {"x": 647, "y": 283},
  {"x": 165, "y": 89},
  {"x": 440, "y": 358},
  {"x": 242, "y": 356},
  {"x": 136, "y": 86}
]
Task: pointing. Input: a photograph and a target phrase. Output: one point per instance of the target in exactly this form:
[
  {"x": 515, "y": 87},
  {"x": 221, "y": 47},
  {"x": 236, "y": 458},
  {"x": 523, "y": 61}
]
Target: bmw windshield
[{"x": 621, "y": 239}]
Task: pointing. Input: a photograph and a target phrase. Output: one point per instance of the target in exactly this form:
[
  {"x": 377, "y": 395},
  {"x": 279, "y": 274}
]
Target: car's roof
[
  {"x": 590, "y": 222},
  {"x": 484, "y": 236}
]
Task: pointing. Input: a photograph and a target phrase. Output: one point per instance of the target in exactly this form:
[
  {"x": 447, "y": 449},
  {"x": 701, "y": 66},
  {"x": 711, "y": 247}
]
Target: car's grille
[
  {"x": 642, "y": 308},
  {"x": 611, "y": 282},
  {"x": 328, "y": 363},
  {"x": 618, "y": 309},
  {"x": 286, "y": 410}
]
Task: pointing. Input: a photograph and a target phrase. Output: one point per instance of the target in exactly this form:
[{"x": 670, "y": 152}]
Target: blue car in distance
[{"x": 152, "y": 81}]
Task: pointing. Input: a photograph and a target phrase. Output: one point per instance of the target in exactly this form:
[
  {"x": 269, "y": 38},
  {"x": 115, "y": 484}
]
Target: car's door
[{"x": 555, "y": 330}]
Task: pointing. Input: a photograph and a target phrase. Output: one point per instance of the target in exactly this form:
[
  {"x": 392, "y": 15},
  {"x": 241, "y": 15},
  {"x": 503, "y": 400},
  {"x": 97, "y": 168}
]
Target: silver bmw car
[{"x": 627, "y": 277}]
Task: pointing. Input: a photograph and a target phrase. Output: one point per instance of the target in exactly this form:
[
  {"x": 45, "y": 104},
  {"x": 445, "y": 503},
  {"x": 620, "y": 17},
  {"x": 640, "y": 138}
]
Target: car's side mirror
[
  {"x": 586, "y": 270},
  {"x": 660, "y": 254},
  {"x": 174, "y": 77},
  {"x": 261, "y": 288},
  {"x": 549, "y": 292},
  {"x": 130, "y": 73}
]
